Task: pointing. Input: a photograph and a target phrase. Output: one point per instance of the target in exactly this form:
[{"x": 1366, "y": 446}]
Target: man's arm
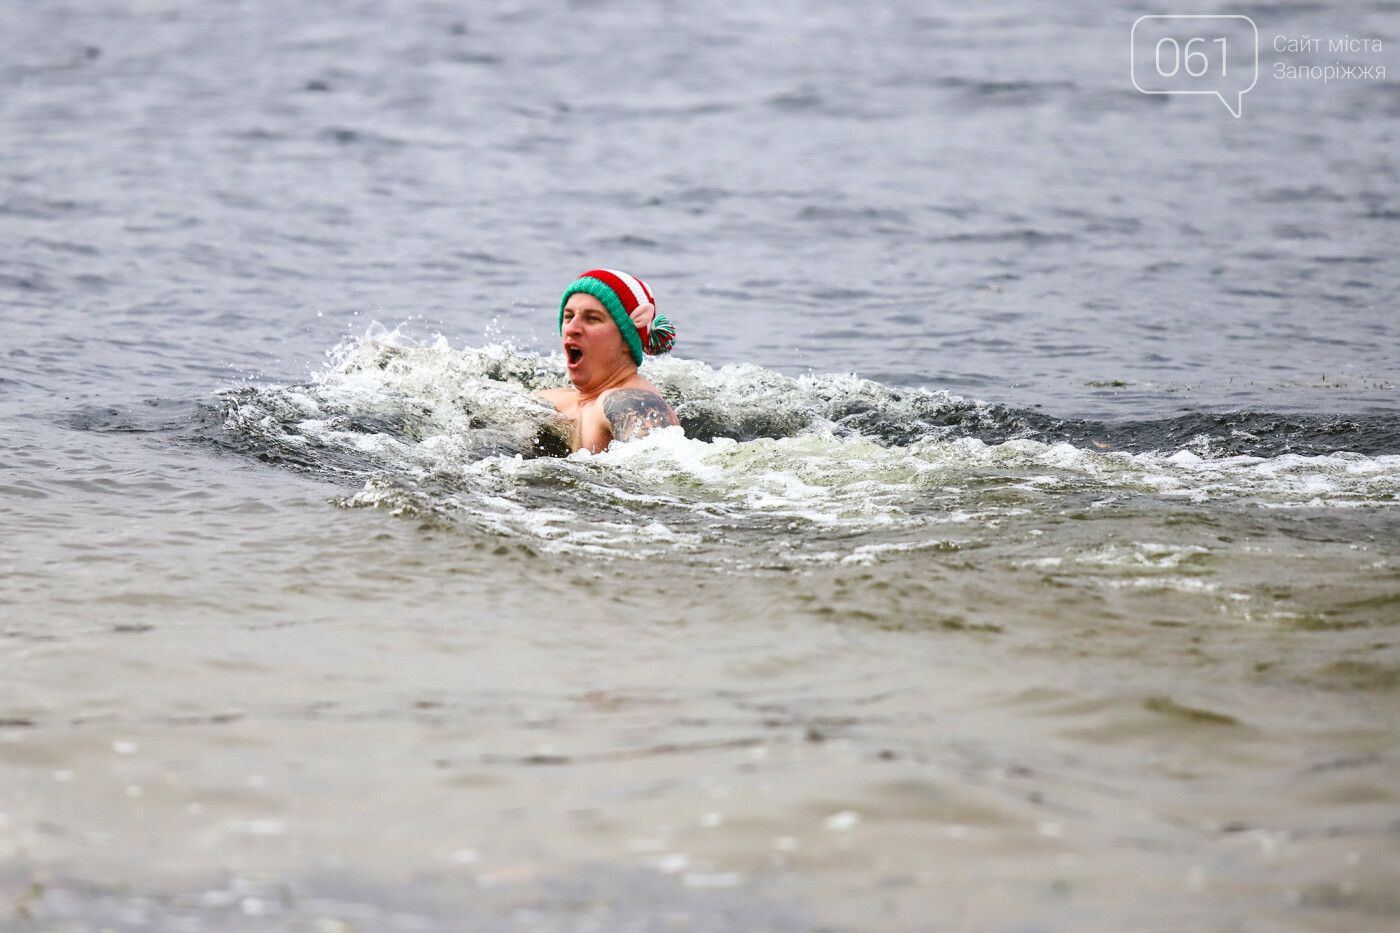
[
  {"x": 560, "y": 437},
  {"x": 635, "y": 413}
]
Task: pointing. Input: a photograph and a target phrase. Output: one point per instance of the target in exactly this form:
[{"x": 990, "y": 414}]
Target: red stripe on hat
[
  {"x": 637, "y": 286},
  {"x": 619, "y": 287}
]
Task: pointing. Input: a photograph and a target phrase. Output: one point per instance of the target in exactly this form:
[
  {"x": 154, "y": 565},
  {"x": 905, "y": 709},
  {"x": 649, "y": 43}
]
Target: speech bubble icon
[{"x": 1196, "y": 55}]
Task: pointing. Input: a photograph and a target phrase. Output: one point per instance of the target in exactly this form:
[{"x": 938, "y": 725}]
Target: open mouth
[{"x": 574, "y": 354}]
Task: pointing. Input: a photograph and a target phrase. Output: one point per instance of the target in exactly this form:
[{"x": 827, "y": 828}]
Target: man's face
[{"x": 593, "y": 346}]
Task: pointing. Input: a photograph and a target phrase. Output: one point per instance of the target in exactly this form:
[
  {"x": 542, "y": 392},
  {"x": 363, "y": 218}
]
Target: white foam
[{"x": 427, "y": 422}]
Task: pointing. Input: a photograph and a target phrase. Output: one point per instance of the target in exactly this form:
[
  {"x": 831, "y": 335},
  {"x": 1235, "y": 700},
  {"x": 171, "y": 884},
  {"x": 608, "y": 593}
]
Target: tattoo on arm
[{"x": 635, "y": 413}]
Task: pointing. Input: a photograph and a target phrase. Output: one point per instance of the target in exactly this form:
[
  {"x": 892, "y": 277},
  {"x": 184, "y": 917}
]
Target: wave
[{"x": 767, "y": 469}]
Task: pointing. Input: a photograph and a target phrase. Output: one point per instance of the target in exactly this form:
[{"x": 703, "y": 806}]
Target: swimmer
[{"x": 607, "y": 321}]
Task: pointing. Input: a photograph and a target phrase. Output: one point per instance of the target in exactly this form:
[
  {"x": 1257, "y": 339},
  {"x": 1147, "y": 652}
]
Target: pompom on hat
[{"x": 632, "y": 307}]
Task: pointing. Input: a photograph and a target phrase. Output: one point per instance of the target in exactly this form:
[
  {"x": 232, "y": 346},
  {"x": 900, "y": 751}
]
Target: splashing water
[{"x": 768, "y": 469}]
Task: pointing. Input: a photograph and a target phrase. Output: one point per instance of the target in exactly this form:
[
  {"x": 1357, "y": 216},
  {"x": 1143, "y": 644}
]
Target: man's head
[
  {"x": 624, "y": 301},
  {"x": 594, "y": 349}
]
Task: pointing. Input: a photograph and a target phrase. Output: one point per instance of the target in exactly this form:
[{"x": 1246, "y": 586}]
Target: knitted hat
[{"x": 632, "y": 307}]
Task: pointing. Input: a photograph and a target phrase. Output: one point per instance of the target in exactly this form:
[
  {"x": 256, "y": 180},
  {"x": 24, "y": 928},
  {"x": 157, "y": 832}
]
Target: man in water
[{"x": 607, "y": 321}]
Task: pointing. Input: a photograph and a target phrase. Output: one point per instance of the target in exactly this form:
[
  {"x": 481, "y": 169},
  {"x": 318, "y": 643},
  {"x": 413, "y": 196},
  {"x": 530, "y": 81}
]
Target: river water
[{"x": 1029, "y": 559}]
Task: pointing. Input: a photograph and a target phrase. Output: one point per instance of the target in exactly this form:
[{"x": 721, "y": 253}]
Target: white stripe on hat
[{"x": 639, "y": 294}]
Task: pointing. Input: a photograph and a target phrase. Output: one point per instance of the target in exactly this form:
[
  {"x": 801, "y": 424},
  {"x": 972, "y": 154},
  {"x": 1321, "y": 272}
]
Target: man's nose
[{"x": 573, "y": 326}]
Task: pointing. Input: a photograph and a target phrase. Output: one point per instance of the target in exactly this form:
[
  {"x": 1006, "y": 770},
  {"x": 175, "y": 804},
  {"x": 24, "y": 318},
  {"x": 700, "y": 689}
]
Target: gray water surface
[{"x": 1028, "y": 562}]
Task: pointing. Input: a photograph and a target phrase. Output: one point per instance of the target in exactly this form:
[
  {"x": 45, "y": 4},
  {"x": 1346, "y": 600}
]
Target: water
[{"x": 1027, "y": 562}]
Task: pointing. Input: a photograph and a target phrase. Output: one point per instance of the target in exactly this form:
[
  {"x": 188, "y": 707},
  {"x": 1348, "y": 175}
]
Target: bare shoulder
[
  {"x": 636, "y": 411},
  {"x": 559, "y": 398}
]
